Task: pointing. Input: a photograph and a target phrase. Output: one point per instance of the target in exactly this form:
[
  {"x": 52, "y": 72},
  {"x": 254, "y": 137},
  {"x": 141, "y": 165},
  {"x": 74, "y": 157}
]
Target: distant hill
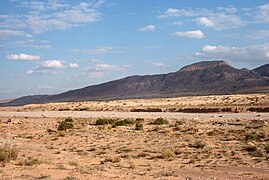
[
  {"x": 202, "y": 78},
  {"x": 5, "y": 100},
  {"x": 263, "y": 70}
]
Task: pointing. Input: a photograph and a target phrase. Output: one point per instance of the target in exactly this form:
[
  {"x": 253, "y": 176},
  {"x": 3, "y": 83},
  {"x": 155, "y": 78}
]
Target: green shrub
[
  {"x": 160, "y": 121},
  {"x": 138, "y": 126},
  {"x": 66, "y": 124},
  {"x": 124, "y": 122},
  {"x": 8, "y": 153},
  {"x": 252, "y": 137},
  {"x": 103, "y": 121},
  {"x": 139, "y": 119},
  {"x": 69, "y": 119}
]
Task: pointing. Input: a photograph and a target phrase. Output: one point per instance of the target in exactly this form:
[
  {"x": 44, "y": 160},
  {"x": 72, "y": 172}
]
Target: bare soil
[{"x": 222, "y": 145}]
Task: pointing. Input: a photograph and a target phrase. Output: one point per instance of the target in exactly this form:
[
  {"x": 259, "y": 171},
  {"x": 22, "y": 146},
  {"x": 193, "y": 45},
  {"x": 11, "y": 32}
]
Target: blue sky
[{"x": 48, "y": 47}]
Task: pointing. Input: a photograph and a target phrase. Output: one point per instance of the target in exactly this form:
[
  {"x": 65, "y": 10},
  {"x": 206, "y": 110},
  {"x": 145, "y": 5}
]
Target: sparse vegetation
[
  {"x": 252, "y": 137},
  {"x": 30, "y": 161},
  {"x": 104, "y": 121},
  {"x": 125, "y": 122},
  {"x": 66, "y": 124},
  {"x": 167, "y": 153},
  {"x": 138, "y": 126},
  {"x": 160, "y": 121},
  {"x": 137, "y": 147},
  {"x": 8, "y": 153}
]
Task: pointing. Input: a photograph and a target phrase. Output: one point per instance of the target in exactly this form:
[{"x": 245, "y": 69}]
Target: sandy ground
[
  {"x": 109, "y": 114},
  {"x": 187, "y": 146},
  {"x": 237, "y": 103}
]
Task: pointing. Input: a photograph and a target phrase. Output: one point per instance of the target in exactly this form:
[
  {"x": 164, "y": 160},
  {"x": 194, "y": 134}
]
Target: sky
[{"x": 51, "y": 46}]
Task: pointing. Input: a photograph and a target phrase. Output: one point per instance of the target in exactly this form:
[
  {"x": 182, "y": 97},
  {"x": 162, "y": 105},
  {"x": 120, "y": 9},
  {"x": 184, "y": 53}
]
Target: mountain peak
[{"x": 204, "y": 65}]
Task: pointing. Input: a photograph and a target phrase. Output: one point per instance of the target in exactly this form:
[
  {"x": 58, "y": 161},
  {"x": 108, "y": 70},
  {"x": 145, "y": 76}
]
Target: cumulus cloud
[
  {"x": 250, "y": 54},
  {"x": 191, "y": 34},
  {"x": 23, "y": 57},
  {"x": 52, "y": 64},
  {"x": 51, "y": 67},
  {"x": 204, "y": 21},
  {"x": 149, "y": 28},
  {"x": 220, "y": 21}
]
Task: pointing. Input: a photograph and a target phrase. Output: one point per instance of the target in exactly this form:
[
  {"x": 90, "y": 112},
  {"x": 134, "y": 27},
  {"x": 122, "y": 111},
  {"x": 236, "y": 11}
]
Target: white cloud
[
  {"x": 5, "y": 33},
  {"x": 171, "y": 12},
  {"x": 110, "y": 67},
  {"x": 220, "y": 21},
  {"x": 51, "y": 67},
  {"x": 223, "y": 18},
  {"x": 191, "y": 34},
  {"x": 105, "y": 66},
  {"x": 52, "y": 64},
  {"x": 177, "y": 23},
  {"x": 99, "y": 50},
  {"x": 36, "y": 46},
  {"x": 160, "y": 65},
  {"x": 251, "y": 54},
  {"x": 23, "y": 57},
  {"x": 149, "y": 28},
  {"x": 73, "y": 65},
  {"x": 30, "y": 43},
  {"x": 260, "y": 34},
  {"x": 204, "y": 21},
  {"x": 52, "y": 15},
  {"x": 228, "y": 9},
  {"x": 261, "y": 13},
  {"x": 44, "y": 6}
]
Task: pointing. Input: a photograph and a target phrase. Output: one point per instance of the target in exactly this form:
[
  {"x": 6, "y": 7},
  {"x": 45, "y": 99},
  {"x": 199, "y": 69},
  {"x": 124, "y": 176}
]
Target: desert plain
[{"x": 195, "y": 137}]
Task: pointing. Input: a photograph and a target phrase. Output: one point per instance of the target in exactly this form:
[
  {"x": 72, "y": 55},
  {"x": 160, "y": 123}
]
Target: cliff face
[{"x": 202, "y": 78}]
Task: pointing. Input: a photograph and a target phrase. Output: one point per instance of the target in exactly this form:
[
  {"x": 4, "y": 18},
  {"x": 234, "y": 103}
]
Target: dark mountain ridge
[{"x": 202, "y": 78}]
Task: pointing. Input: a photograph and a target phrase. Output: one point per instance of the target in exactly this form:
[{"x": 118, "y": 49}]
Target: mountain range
[{"x": 202, "y": 78}]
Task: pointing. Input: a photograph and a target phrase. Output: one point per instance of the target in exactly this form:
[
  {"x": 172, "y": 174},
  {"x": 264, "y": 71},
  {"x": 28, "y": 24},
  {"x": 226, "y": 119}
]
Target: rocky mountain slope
[{"x": 202, "y": 78}]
